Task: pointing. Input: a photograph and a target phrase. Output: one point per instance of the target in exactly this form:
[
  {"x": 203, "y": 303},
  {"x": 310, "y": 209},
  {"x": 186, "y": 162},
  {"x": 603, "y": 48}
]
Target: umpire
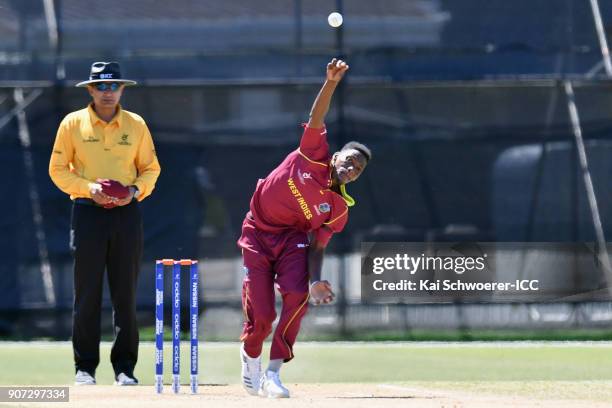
[{"x": 103, "y": 141}]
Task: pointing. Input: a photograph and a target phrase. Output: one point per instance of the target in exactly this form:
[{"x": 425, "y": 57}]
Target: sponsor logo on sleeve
[{"x": 304, "y": 176}]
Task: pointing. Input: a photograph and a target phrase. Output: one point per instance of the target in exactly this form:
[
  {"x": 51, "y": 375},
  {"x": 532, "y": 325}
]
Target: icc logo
[{"x": 124, "y": 140}]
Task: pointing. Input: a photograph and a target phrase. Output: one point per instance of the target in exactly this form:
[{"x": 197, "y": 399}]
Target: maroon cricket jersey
[{"x": 297, "y": 195}]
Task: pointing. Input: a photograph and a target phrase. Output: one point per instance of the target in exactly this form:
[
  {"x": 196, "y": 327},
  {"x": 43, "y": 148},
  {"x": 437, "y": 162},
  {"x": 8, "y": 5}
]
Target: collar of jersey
[{"x": 95, "y": 119}]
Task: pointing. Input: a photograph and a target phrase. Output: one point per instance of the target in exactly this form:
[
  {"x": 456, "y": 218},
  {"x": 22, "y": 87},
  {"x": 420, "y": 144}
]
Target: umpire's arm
[
  {"x": 147, "y": 165},
  {"x": 60, "y": 169}
]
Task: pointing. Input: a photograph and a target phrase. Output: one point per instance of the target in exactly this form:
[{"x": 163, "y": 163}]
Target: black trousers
[{"x": 105, "y": 239}]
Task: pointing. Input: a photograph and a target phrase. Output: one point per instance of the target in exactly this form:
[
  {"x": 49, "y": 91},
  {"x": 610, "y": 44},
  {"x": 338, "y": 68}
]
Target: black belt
[{"x": 89, "y": 201}]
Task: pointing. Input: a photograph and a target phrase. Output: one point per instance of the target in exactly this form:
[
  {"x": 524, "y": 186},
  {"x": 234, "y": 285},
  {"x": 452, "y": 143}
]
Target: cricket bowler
[{"x": 293, "y": 214}]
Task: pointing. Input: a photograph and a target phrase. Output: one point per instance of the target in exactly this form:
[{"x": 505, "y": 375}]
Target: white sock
[{"x": 275, "y": 365}]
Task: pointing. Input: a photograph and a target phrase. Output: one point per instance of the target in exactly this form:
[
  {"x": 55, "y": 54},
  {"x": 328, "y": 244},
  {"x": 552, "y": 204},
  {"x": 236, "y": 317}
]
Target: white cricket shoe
[
  {"x": 84, "y": 378},
  {"x": 124, "y": 379},
  {"x": 251, "y": 372},
  {"x": 272, "y": 387}
]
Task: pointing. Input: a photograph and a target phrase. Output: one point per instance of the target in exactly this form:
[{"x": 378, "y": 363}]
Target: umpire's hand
[
  {"x": 95, "y": 190},
  {"x": 125, "y": 201}
]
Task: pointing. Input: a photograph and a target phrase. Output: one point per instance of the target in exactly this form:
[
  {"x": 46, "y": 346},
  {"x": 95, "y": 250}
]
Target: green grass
[
  {"x": 51, "y": 363},
  {"x": 485, "y": 335},
  {"x": 148, "y": 334}
]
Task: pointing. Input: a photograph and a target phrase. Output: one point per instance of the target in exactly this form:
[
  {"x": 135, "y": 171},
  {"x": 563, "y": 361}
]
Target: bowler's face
[
  {"x": 348, "y": 165},
  {"x": 105, "y": 99}
]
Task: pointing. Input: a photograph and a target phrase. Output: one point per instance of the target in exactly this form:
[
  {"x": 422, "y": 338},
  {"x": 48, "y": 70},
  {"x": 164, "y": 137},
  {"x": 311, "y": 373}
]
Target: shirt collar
[{"x": 95, "y": 119}]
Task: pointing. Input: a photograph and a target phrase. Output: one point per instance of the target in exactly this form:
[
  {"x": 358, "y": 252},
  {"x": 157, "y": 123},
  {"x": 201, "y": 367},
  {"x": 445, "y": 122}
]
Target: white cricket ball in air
[{"x": 335, "y": 19}]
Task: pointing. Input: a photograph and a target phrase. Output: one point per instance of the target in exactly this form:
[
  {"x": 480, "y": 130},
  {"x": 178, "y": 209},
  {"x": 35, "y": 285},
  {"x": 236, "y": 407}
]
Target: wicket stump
[{"x": 176, "y": 323}]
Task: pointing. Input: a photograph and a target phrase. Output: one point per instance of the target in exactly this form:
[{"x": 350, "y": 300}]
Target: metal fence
[{"x": 463, "y": 103}]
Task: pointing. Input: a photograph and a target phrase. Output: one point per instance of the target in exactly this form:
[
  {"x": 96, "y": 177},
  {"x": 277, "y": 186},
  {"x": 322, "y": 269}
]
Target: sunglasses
[{"x": 105, "y": 86}]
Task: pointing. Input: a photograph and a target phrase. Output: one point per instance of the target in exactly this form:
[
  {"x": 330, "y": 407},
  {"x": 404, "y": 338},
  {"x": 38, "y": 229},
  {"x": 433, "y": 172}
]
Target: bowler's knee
[{"x": 264, "y": 321}]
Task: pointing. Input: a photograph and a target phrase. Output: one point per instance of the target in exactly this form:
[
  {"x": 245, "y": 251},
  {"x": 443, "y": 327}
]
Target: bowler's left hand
[{"x": 321, "y": 292}]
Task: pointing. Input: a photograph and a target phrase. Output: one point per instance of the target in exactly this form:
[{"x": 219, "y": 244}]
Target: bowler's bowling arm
[{"x": 321, "y": 104}]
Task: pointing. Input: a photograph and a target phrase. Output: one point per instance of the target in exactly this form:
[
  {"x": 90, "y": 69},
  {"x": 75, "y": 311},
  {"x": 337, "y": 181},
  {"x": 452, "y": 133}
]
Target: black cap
[{"x": 105, "y": 72}]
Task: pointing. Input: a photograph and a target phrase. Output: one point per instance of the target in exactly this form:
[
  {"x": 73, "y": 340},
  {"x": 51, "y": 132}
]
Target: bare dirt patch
[{"x": 307, "y": 395}]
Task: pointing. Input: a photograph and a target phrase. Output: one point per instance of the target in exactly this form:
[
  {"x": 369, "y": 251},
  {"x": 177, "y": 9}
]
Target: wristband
[{"x": 313, "y": 283}]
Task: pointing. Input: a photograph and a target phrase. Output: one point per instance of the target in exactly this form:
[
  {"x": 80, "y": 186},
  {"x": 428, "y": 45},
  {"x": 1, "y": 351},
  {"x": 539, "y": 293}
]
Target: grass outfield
[
  {"x": 38, "y": 363},
  {"x": 147, "y": 333}
]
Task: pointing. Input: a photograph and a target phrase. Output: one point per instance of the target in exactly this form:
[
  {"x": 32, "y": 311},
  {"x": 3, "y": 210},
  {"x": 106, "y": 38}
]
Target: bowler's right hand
[{"x": 336, "y": 69}]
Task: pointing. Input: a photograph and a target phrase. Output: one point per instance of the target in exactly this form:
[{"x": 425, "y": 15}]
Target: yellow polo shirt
[{"x": 87, "y": 148}]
